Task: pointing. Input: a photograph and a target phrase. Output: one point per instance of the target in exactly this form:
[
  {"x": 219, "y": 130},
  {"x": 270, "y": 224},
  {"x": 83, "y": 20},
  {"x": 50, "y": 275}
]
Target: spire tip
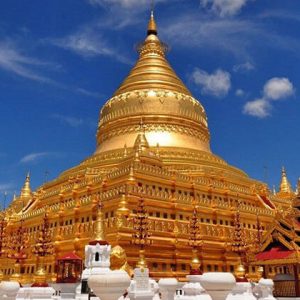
[{"x": 152, "y": 28}]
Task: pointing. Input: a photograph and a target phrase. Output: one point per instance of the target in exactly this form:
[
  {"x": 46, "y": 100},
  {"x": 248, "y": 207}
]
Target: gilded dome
[{"x": 154, "y": 94}]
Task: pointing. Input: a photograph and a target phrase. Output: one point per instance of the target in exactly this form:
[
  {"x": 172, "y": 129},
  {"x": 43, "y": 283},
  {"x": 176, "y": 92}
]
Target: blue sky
[{"x": 61, "y": 60}]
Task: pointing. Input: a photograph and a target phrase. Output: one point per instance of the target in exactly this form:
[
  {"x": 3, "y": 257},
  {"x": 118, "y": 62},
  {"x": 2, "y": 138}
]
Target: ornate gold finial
[
  {"x": 285, "y": 186},
  {"x": 123, "y": 209},
  {"x": 99, "y": 232},
  {"x": 26, "y": 190},
  {"x": 152, "y": 27},
  {"x": 131, "y": 177}
]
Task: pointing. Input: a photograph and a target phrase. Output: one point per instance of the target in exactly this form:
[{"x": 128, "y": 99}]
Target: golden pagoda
[
  {"x": 285, "y": 189},
  {"x": 153, "y": 143}
]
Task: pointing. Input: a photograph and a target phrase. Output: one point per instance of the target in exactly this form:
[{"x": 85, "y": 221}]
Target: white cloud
[
  {"x": 5, "y": 187},
  {"x": 274, "y": 89},
  {"x": 217, "y": 84},
  {"x": 278, "y": 88},
  {"x": 280, "y": 14},
  {"x": 124, "y": 3},
  {"x": 136, "y": 4},
  {"x": 243, "y": 68},
  {"x": 124, "y": 13},
  {"x": 257, "y": 108},
  {"x": 33, "y": 157},
  {"x": 72, "y": 121},
  {"x": 88, "y": 42},
  {"x": 224, "y": 7},
  {"x": 199, "y": 31},
  {"x": 13, "y": 60},
  {"x": 237, "y": 36},
  {"x": 239, "y": 92},
  {"x": 82, "y": 44},
  {"x": 88, "y": 93}
]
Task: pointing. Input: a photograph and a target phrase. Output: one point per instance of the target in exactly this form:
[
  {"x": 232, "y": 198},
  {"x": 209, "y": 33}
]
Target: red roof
[
  {"x": 274, "y": 253},
  {"x": 70, "y": 256},
  {"x": 267, "y": 201}
]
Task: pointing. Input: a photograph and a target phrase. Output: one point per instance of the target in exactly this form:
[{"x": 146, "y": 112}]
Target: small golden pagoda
[
  {"x": 153, "y": 143},
  {"x": 285, "y": 190}
]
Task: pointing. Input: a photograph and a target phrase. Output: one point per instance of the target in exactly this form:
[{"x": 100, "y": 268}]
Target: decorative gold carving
[{"x": 156, "y": 128}]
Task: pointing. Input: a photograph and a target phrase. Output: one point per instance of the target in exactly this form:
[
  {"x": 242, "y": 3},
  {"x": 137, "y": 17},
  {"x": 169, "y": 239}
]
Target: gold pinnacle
[
  {"x": 195, "y": 262},
  {"x": 99, "y": 234},
  {"x": 123, "y": 209},
  {"x": 285, "y": 186},
  {"x": 142, "y": 264},
  {"x": 152, "y": 28},
  {"x": 26, "y": 190}
]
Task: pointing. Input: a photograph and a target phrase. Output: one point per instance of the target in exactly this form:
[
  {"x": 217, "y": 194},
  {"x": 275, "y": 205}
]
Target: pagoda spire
[
  {"x": 152, "y": 70},
  {"x": 26, "y": 190},
  {"x": 152, "y": 27},
  {"x": 285, "y": 186},
  {"x": 14, "y": 197},
  {"x": 274, "y": 190}
]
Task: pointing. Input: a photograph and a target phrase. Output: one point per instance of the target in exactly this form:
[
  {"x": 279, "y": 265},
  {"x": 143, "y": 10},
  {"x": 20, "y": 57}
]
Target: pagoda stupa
[{"x": 153, "y": 143}]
